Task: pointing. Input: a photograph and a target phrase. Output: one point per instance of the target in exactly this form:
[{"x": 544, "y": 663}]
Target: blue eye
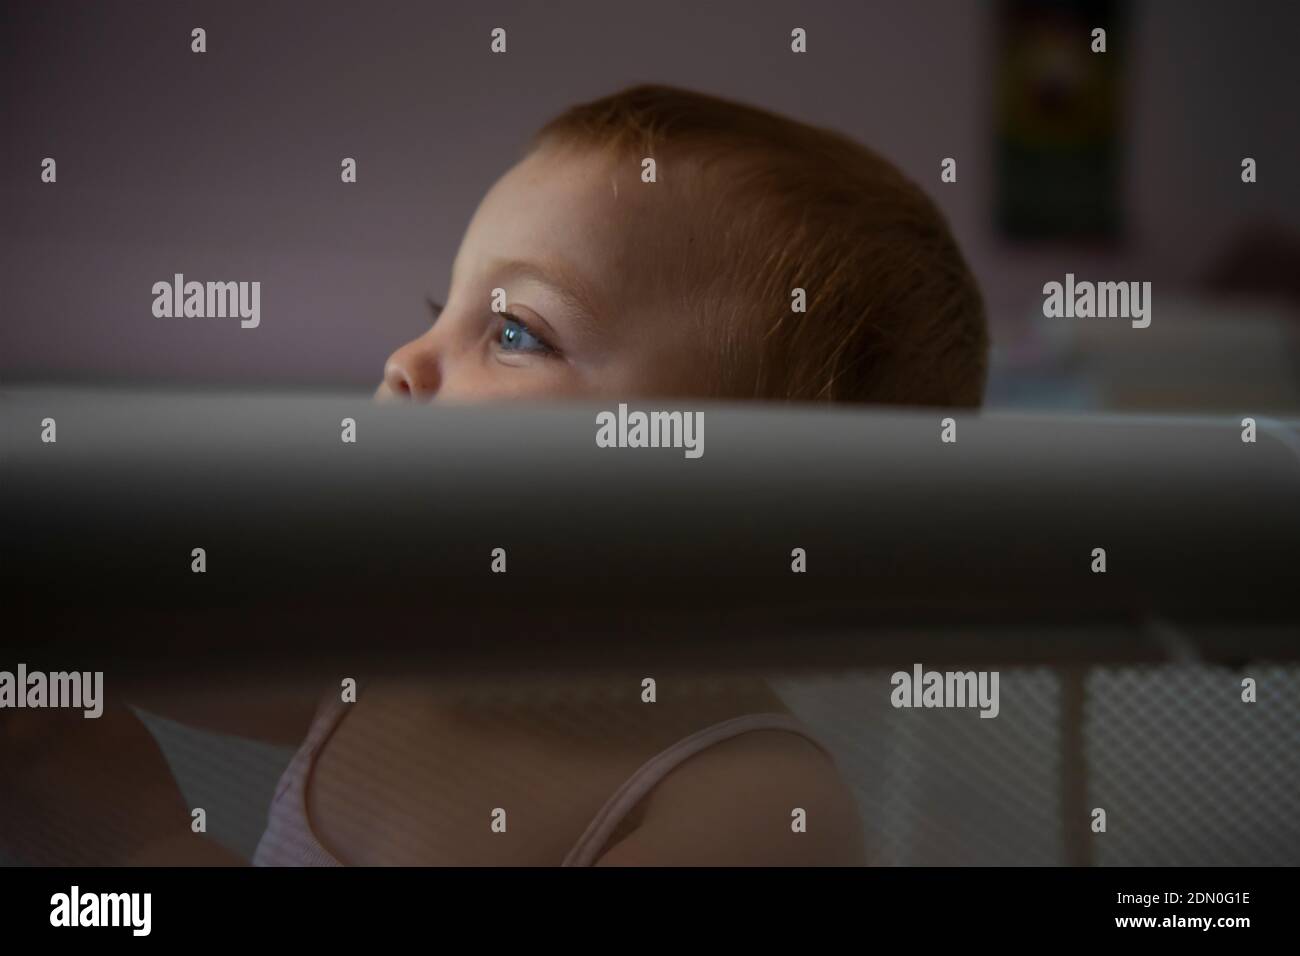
[{"x": 517, "y": 337}]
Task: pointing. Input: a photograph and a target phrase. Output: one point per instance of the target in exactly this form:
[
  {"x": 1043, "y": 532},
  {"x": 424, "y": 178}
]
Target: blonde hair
[{"x": 894, "y": 314}]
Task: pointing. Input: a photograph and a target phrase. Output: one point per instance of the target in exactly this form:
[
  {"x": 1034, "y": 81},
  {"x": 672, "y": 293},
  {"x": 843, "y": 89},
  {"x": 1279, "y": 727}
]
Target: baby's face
[{"x": 582, "y": 249}]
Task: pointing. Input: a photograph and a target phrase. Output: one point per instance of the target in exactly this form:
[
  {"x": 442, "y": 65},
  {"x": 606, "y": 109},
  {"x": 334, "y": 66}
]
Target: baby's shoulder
[{"x": 766, "y": 797}]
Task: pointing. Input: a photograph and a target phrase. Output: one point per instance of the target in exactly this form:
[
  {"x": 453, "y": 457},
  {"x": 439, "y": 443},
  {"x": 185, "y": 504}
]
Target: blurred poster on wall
[{"x": 1059, "y": 119}]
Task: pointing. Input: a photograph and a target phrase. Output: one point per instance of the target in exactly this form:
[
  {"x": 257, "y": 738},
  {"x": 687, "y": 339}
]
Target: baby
[{"x": 653, "y": 244}]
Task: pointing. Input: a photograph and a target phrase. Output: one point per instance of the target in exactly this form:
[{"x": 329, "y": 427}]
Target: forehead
[{"x": 583, "y": 210}]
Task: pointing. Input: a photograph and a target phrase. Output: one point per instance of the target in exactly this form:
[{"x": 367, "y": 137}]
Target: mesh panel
[{"x": 1187, "y": 773}]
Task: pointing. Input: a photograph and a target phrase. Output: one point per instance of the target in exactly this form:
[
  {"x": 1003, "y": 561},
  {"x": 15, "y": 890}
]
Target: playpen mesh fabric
[{"x": 1187, "y": 773}]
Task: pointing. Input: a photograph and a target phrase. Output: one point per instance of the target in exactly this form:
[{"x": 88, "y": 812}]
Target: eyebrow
[{"x": 565, "y": 282}]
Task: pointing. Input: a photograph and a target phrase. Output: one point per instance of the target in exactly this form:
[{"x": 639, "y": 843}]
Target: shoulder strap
[{"x": 593, "y": 840}]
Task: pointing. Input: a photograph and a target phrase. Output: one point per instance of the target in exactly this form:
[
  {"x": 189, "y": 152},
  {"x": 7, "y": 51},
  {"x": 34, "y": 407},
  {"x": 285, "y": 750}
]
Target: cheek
[{"x": 491, "y": 380}]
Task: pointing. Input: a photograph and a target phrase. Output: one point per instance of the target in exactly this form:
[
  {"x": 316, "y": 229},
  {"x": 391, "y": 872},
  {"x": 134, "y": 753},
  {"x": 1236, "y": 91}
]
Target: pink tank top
[{"x": 289, "y": 841}]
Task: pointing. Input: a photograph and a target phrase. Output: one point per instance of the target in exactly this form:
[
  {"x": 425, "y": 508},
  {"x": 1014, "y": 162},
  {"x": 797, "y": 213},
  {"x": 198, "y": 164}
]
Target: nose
[{"x": 413, "y": 372}]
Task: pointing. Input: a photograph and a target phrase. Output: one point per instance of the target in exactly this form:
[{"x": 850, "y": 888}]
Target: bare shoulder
[{"x": 764, "y": 798}]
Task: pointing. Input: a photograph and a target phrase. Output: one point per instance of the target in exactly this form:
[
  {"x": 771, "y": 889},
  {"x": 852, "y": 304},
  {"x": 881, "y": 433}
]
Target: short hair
[{"x": 894, "y": 314}]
